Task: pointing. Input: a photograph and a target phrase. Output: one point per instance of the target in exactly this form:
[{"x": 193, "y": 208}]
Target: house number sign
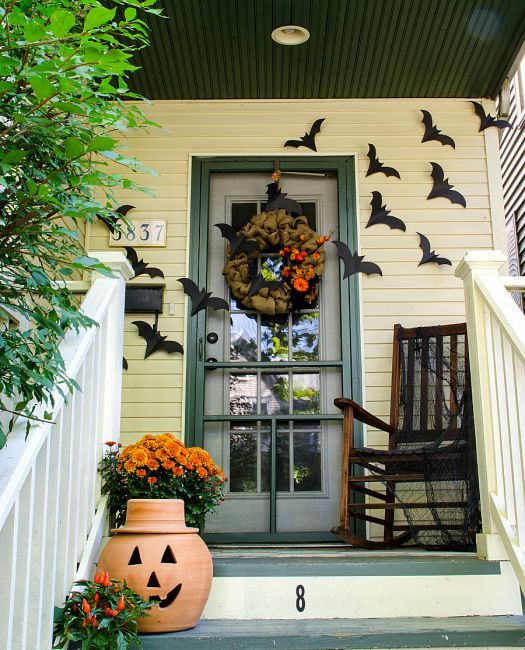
[{"x": 140, "y": 233}]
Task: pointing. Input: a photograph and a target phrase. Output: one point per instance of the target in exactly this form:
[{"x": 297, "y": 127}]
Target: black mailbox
[{"x": 144, "y": 298}]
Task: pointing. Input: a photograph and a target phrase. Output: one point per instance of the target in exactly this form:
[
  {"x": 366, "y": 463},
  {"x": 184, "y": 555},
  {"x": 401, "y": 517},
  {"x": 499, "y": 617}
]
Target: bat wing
[
  {"x": 344, "y": 253},
  {"x": 250, "y": 245},
  {"x": 374, "y": 165},
  {"x": 427, "y": 121},
  {"x": 390, "y": 171},
  {"x": 273, "y": 284},
  {"x": 190, "y": 288},
  {"x": 376, "y": 201},
  {"x": 369, "y": 268},
  {"x": 455, "y": 197},
  {"x": 170, "y": 347},
  {"x": 226, "y": 231},
  {"x": 503, "y": 124},
  {"x": 153, "y": 272},
  {"x": 424, "y": 245},
  {"x": 293, "y": 143},
  {"x": 132, "y": 256},
  {"x": 217, "y": 303},
  {"x": 480, "y": 112},
  {"x": 437, "y": 175},
  {"x": 445, "y": 139},
  {"x": 394, "y": 223},
  {"x": 124, "y": 209},
  {"x": 316, "y": 127},
  {"x": 145, "y": 329},
  {"x": 124, "y": 363}
]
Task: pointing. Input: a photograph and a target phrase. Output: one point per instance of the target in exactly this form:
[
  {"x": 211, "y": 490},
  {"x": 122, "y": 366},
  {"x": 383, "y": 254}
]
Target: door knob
[{"x": 212, "y": 337}]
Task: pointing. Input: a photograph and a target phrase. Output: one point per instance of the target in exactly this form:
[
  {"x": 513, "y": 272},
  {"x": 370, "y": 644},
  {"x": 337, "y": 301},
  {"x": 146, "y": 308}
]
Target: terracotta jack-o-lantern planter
[{"x": 162, "y": 560}]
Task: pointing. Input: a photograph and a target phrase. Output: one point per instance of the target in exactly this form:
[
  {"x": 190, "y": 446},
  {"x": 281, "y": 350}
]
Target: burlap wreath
[{"x": 271, "y": 230}]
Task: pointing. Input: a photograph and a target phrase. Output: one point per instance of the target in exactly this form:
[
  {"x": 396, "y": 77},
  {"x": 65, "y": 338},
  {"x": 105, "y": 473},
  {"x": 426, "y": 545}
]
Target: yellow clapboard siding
[{"x": 407, "y": 293}]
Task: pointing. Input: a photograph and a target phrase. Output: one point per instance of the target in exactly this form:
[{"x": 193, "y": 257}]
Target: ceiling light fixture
[{"x": 290, "y": 35}]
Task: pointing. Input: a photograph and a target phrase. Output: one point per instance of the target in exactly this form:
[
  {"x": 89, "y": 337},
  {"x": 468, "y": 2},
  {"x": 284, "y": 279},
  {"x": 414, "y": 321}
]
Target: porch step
[
  {"x": 340, "y": 634},
  {"x": 283, "y": 584}
]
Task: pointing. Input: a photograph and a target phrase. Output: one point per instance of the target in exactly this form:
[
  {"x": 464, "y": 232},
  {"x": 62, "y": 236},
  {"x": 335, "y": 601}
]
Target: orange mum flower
[
  {"x": 152, "y": 479},
  {"x": 168, "y": 464},
  {"x": 152, "y": 463},
  {"x": 141, "y": 473},
  {"x": 129, "y": 466},
  {"x": 300, "y": 285},
  {"x": 202, "y": 472},
  {"x": 177, "y": 471}
]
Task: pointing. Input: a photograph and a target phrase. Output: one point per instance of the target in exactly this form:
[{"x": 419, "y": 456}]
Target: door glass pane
[
  {"x": 243, "y": 393},
  {"x": 306, "y": 393},
  {"x": 243, "y": 337},
  {"x": 242, "y": 213},
  {"x": 275, "y": 394},
  {"x": 305, "y": 337},
  {"x": 283, "y": 461},
  {"x": 307, "y": 459},
  {"x": 243, "y": 459},
  {"x": 274, "y": 338}
]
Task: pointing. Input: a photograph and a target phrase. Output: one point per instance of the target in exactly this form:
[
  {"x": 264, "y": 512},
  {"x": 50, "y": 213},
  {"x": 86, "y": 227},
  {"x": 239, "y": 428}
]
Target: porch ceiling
[{"x": 221, "y": 49}]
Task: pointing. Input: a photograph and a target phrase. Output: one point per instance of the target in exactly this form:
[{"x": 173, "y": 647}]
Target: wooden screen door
[{"x": 270, "y": 381}]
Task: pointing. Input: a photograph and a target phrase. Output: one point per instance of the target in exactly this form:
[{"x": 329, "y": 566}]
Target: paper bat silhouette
[
  {"x": 354, "y": 262},
  {"x": 433, "y": 133},
  {"x": 111, "y": 221},
  {"x": 258, "y": 282},
  {"x": 428, "y": 255},
  {"x": 154, "y": 339},
  {"x": 238, "y": 243},
  {"x": 200, "y": 298},
  {"x": 488, "y": 120},
  {"x": 124, "y": 363},
  {"x": 308, "y": 139},
  {"x": 443, "y": 188},
  {"x": 376, "y": 166},
  {"x": 381, "y": 215},
  {"x": 140, "y": 267},
  {"x": 277, "y": 201}
]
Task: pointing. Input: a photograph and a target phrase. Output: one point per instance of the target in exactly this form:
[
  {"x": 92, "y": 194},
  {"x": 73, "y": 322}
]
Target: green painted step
[{"x": 341, "y": 634}]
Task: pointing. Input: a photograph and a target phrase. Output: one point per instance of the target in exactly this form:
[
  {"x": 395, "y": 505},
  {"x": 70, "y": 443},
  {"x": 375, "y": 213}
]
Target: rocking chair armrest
[{"x": 361, "y": 414}]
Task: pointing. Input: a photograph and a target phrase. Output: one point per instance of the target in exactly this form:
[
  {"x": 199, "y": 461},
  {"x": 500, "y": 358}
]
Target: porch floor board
[{"x": 343, "y": 634}]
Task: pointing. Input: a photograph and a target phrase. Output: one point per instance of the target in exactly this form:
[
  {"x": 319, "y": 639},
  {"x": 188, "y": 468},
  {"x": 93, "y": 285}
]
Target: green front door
[{"x": 264, "y": 386}]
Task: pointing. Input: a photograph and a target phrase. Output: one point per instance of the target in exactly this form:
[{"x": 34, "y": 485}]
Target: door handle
[{"x": 201, "y": 348}]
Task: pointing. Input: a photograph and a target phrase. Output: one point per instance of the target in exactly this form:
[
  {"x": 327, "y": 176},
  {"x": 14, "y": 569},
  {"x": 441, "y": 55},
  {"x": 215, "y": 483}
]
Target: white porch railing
[
  {"x": 51, "y": 515},
  {"x": 496, "y": 331}
]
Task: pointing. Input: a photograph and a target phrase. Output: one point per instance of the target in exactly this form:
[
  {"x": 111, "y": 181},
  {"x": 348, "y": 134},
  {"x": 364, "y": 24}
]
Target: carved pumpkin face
[{"x": 169, "y": 569}]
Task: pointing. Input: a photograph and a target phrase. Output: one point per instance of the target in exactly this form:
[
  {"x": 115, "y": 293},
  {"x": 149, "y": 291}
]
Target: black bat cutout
[
  {"x": 433, "y": 133},
  {"x": 308, "y": 139},
  {"x": 124, "y": 363},
  {"x": 354, "y": 262},
  {"x": 154, "y": 339},
  {"x": 111, "y": 221},
  {"x": 238, "y": 243},
  {"x": 487, "y": 120},
  {"x": 258, "y": 282},
  {"x": 443, "y": 188},
  {"x": 381, "y": 215},
  {"x": 140, "y": 267},
  {"x": 428, "y": 255},
  {"x": 200, "y": 298},
  {"x": 376, "y": 166},
  {"x": 277, "y": 201}
]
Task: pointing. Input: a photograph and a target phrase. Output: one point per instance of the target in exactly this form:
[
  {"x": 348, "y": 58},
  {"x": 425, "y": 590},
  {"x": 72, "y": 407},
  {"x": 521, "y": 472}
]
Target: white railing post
[{"x": 474, "y": 263}]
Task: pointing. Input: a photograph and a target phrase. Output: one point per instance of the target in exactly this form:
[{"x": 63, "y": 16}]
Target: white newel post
[{"x": 473, "y": 264}]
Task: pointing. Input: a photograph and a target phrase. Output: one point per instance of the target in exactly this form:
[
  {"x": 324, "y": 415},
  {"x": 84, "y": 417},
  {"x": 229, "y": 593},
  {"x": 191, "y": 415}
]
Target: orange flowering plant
[
  {"x": 300, "y": 270},
  {"x": 102, "y": 614},
  {"x": 161, "y": 467}
]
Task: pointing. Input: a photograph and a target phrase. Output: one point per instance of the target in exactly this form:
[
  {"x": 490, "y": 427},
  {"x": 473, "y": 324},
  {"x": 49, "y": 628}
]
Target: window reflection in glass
[
  {"x": 307, "y": 460},
  {"x": 274, "y": 338},
  {"x": 243, "y": 337},
  {"x": 305, "y": 337},
  {"x": 306, "y": 393},
  {"x": 243, "y": 393},
  {"x": 243, "y": 460},
  {"x": 275, "y": 394}
]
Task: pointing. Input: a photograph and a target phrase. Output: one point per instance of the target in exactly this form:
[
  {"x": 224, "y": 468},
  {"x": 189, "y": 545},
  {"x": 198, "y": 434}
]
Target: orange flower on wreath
[{"x": 299, "y": 284}]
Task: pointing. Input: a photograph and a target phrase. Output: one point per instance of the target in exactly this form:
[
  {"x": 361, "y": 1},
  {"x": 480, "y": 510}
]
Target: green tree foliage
[{"x": 63, "y": 69}]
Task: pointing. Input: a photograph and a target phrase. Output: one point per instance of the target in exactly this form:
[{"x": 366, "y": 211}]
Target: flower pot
[{"x": 162, "y": 560}]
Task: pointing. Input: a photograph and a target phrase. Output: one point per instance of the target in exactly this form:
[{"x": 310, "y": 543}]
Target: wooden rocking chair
[{"x": 429, "y": 470}]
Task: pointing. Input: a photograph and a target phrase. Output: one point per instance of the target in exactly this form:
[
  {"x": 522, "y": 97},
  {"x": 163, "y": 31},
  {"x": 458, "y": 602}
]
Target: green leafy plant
[
  {"x": 63, "y": 70},
  {"x": 101, "y": 614},
  {"x": 161, "y": 467}
]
